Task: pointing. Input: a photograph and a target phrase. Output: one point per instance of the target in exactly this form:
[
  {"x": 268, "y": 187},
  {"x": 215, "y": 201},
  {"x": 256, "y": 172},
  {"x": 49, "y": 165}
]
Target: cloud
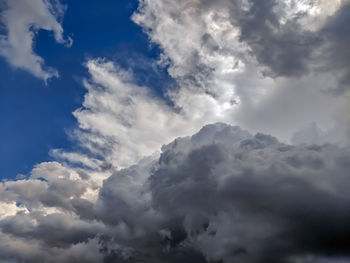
[
  {"x": 264, "y": 57},
  {"x": 121, "y": 122},
  {"x": 21, "y": 20},
  {"x": 220, "y": 195},
  {"x": 286, "y": 38},
  {"x": 217, "y": 78},
  {"x": 336, "y": 55},
  {"x": 223, "y": 194},
  {"x": 312, "y": 134}
]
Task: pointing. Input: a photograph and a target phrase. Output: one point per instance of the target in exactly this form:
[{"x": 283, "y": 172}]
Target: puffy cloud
[
  {"x": 21, "y": 20},
  {"x": 220, "y": 195},
  {"x": 49, "y": 216},
  {"x": 225, "y": 195},
  {"x": 19, "y": 250},
  {"x": 50, "y": 185}
]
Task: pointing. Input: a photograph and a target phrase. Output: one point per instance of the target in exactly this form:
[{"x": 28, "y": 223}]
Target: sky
[
  {"x": 174, "y": 131},
  {"x": 36, "y": 115}
]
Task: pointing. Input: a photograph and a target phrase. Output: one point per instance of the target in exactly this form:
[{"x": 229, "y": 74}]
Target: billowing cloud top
[{"x": 221, "y": 195}]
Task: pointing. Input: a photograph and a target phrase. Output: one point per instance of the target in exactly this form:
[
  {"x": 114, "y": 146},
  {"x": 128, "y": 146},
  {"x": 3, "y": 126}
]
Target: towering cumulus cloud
[
  {"x": 221, "y": 195},
  {"x": 20, "y": 21},
  {"x": 154, "y": 180}
]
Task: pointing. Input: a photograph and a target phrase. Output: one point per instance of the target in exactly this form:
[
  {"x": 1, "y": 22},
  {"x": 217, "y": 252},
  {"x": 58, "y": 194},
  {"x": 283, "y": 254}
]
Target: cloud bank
[
  {"x": 220, "y": 195},
  {"x": 20, "y": 21}
]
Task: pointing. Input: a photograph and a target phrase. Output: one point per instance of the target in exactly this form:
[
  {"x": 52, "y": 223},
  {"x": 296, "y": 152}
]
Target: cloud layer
[{"x": 20, "y": 22}]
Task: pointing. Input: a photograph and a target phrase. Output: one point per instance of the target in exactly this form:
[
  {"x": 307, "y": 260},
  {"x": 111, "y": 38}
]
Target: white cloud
[
  {"x": 121, "y": 122},
  {"x": 226, "y": 48},
  {"x": 21, "y": 20},
  {"x": 218, "y": 79},
  {"x": 200, "y": 45}
]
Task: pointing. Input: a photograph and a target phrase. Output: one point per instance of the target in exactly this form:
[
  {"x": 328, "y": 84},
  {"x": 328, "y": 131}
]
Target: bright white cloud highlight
[{"x": 121, "y": 122}]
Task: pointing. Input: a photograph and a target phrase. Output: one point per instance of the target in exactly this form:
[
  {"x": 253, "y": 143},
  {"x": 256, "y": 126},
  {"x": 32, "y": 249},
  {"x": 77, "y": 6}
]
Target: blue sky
[{"x": 36, "y": 117}]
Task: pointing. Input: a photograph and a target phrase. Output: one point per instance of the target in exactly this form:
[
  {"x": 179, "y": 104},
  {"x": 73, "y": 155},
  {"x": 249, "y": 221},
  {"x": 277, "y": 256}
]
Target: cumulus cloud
[
  {"x": 20, "y": 21},
  {"x": 223, "y": 194},
  {"x": 42, "y": 217},
  {"x": 220, "y": 195}
]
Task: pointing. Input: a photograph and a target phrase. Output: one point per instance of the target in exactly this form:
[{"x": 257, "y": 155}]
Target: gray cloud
[
  {"x": 336, "y": 55},
  {"x": 274, "y": 32},
  {"x": 284, "y": 48},
  {"x": 288, "y": 47},
  {"x": 221, "y": 195},
  {"x": 281, "y": 38},
  {"x": 256, "y": 200}
]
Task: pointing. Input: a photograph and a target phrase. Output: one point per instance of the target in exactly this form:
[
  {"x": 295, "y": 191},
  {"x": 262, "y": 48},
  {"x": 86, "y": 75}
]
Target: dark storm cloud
[
  {"x": 290, "y": 50},
  {"x": 285, "y": 49},
  {"x": 221, "y": 195},
  {"x": 230, "y": 196}
]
